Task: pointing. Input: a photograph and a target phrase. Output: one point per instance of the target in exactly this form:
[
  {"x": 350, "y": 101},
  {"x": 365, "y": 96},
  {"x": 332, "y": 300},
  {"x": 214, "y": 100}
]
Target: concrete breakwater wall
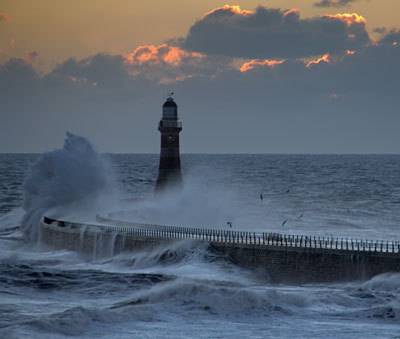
[{"x": 283, "y": 258}]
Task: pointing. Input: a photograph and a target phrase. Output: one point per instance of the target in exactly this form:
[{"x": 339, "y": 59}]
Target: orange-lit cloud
[
  {"x": 293, "y": 11},
  {"x": 32, "y": 56},
  {"x": 151, "y": 54},
  {"x": 233, "y": 9},
  {"x": 270, "y": 63},
  {"x": 168, "y": 64},
  {"x": 4, "y": 17},
  {"x": 348, "y": 18},
  {"x": 326, "y": 58}
]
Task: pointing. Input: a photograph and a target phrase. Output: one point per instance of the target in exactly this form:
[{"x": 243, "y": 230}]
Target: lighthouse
[{"x": 169, "y": 170}]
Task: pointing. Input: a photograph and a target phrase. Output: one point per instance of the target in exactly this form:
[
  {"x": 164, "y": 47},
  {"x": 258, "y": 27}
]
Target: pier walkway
[{"x": 221, "y": 236}]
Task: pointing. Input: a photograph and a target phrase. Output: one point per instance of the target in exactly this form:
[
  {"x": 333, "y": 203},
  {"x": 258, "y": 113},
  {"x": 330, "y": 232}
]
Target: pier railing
[{"x": 221, "y": 236}]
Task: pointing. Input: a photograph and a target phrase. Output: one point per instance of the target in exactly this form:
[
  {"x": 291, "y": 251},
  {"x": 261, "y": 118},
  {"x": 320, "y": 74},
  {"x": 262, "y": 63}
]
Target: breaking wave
[{"x": 72, "y": 178}]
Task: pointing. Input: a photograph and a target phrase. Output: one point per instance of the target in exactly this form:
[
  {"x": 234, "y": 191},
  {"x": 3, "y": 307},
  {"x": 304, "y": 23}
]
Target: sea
[{"x": 55, "y": 293}]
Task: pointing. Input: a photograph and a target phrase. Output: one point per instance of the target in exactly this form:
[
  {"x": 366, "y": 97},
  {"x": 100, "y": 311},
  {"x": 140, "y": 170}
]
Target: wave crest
[{"x": 74, "y": 175}]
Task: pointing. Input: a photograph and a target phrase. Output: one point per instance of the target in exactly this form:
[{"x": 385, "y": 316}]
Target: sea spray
[
  {"x": 82, "y": 237},
  {"x": 195, "y": 204},
  {"x": 95, "y": 245},
  {"x": 113, "y": 240},
  {"x": 74, "y": 178},
  {"x": 56, "y": 294}
]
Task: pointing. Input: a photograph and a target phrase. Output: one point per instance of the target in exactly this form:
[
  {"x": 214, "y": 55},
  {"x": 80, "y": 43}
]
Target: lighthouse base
[{"x": 169, "y": 179}]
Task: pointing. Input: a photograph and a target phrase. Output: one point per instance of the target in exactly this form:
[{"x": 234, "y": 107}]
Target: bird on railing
[{"x": 229, "y": 223}]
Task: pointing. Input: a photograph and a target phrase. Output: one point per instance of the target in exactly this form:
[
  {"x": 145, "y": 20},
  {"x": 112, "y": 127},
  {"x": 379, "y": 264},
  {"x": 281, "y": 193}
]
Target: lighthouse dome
[
  {"x": 170, "y": 103},
  {"x": 170, "y": 110}
]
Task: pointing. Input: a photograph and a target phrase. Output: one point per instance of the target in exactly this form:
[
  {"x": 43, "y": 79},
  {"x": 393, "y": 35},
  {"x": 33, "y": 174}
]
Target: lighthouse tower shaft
[{"x": 170, "y": 126}]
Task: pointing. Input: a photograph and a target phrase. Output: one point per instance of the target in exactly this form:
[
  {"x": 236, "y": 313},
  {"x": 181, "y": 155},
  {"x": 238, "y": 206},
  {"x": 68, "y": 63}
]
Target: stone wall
[
  {"x": 277, "y": 263},
  {"x": 303, "y": 265}
]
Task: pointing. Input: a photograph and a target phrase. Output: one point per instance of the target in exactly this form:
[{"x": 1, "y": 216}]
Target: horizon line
[{"x": 217, "y": 153}]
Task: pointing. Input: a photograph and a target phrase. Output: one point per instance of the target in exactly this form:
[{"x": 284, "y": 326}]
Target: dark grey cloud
[
  {"x": 274, "y": 33},
  {"x": 346, "y": 104},
  {"x": 380, "y": 30},
  {"x": 98, "y": 70},
  {"x": 333, "y": 3},
  {"x": 96, "y": 97},
  {"x": 18, "y": 75},
  {"x": 391, "y": 38}
]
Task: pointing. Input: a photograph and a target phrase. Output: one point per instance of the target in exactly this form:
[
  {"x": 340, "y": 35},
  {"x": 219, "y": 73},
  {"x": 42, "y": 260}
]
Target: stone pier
[{"x": 281, "y": 258}]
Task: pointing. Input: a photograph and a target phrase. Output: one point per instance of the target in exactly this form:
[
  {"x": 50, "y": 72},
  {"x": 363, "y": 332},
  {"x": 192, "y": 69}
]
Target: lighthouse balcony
[{"x": 170, "y": 124}]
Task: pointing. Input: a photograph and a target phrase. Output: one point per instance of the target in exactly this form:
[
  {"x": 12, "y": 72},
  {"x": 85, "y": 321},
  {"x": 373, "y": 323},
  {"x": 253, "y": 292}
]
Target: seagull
[
  {"x": 261, "y": 197},
  {"x": 300, "y": 216},
  {"x": 229, "y": 224},
  {"x": 288, "y": 190},
  {"x": 284, "y": 222}
]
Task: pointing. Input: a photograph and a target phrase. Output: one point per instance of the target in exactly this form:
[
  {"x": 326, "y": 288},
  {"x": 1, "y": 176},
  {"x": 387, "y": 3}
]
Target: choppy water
[{"x": 58, "y": 294}]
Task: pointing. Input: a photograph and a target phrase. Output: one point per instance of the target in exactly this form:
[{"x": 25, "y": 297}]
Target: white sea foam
[
  {"x": 74, "y": 178},
  {"x": 388, "y": 282},
  {"x": 11, "y": 220}
]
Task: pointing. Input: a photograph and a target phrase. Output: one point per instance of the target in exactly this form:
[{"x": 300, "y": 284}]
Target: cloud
[
  {"x": 333, "y": 3},
  {"x": 17, "y": 74},
  {"x": 326, "y": 103},
  {"x": 120, "y": 72},
  {"x": 169, "y": 55},
  {"x": 267, "y": 33},
  {"x": 228, "y": 10},
  {"x": 252, "y": 64},
  {"x": 32, "y": 56},
  {"x": 167, "y": 63},
  {"x": 349, "y": 19},
  {"x": 380, "y": 30},
  {"x": 4, "y": 17},
  {"x": 326, "y": 58},
  {"x": 101, "y": 70},
  {"x": 391, "y": 38}
]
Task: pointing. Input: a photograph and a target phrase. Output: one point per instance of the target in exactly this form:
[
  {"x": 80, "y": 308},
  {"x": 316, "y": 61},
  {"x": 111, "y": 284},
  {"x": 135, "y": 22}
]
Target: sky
[{"x": 277, "y": 76}]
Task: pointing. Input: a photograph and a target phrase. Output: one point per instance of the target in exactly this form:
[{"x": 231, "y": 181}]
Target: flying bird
[{"x": 284, "y": 222}]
